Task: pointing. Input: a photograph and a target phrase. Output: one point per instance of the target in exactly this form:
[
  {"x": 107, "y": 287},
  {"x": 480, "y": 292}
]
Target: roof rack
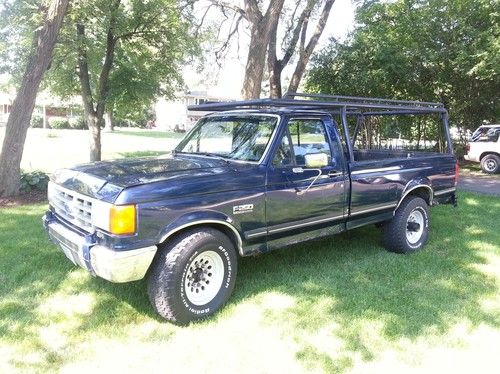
[{"x": 328, "y": 102}]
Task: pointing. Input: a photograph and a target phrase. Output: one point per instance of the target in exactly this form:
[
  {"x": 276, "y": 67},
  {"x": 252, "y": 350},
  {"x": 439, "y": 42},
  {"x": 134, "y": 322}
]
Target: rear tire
[
  {"x": 193, "y": 276},
  {"x": 408, "y": 230},
  {"x": 490, "y": 164}
]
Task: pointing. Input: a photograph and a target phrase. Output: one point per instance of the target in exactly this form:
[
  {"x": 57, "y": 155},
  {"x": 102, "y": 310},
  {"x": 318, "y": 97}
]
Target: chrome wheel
[
  {"x": 204, "y": 278},
  {"x": 490, "y": 165},
  {"x": 414, "y": 226}
]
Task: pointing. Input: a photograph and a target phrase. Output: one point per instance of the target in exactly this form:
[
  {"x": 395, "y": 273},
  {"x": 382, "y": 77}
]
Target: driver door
[{"x": 306, "y": 181}]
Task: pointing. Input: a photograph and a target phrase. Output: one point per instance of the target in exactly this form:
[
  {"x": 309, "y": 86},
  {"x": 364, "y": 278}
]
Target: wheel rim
[
  {"x": 414, "y": 226},
  {"x": 204, "y": 277},
  {"x": 490, "y": 164}
]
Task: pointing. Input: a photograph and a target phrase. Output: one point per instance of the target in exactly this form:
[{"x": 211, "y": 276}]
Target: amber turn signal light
[{"x": 122, "y": 219}]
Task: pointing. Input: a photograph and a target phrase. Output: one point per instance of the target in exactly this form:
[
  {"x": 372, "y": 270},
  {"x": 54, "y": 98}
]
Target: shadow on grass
[{"x": 348, "y": 285}]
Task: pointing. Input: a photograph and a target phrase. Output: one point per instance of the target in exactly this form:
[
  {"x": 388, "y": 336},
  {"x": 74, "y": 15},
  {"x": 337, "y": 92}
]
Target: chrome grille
[{"x": 71, "y": 206}]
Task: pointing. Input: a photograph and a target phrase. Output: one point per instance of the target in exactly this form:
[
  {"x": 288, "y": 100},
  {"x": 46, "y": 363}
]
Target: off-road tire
[
  {"x": 395, "y": 231},
  {"x": 169, "y": 274},
  {"x": 490, "y": 164}
]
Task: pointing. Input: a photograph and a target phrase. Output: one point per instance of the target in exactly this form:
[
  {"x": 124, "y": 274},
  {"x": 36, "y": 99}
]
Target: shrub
[
  {"x": 77, "y": 123},
  {"x": 34, "y": 180},
  {"x": 36, "y": 121},
  {"x": 460, "y": 150},
  {"x": 59, "y": 123}
]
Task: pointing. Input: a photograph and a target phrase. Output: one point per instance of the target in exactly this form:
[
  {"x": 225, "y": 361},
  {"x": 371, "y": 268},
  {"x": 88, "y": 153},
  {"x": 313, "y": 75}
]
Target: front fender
[{"x": 199, "y": 218}]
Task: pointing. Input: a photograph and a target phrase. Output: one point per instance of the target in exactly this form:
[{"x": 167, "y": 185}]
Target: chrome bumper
[{"x": 115, "y": 266}]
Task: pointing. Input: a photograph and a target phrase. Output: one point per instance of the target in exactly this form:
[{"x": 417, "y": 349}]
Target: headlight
[{"x": 116, "y": 219}]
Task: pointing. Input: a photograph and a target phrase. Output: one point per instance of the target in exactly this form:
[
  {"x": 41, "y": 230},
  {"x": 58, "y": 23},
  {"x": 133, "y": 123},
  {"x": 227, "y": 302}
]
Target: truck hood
[{"x": 106, "y": 179}]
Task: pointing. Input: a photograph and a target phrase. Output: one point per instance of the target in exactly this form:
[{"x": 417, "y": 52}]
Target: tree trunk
[
  {"x": 274, "y": 66},
  {"x": 254, "y": 70},
  {"x": 108, "y": 122},
  {"x": 262, "y": 26},
  {"x": 22, "y": 107},
  {"x": 94, "y": 123},
  {"x": 95, "y": 116}
]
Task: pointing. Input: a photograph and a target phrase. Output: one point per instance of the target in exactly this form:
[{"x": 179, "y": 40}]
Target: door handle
[{"x": 334, "y": 173}]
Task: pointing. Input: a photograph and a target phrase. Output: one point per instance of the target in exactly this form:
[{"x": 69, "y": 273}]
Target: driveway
[{"x": 481, "y": 184}]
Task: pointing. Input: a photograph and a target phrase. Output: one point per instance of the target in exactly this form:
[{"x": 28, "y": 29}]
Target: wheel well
[
  {"x": 422, "y": 192},
  {"x": 217, "y": 226},
  {"x": 483, "y": 155}
]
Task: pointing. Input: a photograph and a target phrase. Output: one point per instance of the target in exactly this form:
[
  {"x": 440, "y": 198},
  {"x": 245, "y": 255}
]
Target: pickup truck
[
  {"x": 251, "y": 177},
  {"x": 484, "y": 147}
]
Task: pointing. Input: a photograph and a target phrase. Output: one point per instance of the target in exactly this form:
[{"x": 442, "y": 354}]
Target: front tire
[
  {"x": 193, "y": 276},
  {"x": 408, "y": 230},
  {"x": 490, "y": 164}
]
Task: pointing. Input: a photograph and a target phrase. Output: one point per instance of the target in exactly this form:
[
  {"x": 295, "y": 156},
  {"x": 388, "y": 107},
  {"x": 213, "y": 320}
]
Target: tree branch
[
  {"x": 111, "y": 41},
  {"x": 83, "y": 71}
]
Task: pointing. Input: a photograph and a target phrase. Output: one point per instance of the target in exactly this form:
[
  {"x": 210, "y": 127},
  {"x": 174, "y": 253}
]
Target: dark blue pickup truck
[{"x": 251, "y": 177}]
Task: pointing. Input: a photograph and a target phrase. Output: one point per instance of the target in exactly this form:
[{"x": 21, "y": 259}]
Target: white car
[{"x": 484, "y": 147}]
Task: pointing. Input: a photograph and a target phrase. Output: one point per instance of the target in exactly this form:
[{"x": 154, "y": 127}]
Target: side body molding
[
  {"x": 416, "y": 184},
  {"x": 202, "y": 218}
]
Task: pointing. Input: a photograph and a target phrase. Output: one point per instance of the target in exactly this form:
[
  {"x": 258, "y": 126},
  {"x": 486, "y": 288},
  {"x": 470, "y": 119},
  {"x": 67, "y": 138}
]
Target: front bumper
[
  {"x": 469, "y": 157},
  {"x": 82, "y": 250}
]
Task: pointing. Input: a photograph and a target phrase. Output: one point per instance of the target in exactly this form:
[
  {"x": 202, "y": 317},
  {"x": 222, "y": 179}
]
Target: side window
[{"x": 307, "y": 136}]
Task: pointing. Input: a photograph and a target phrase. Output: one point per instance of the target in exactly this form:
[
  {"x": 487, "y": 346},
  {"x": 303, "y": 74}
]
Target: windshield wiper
[{"x": 209, "y": 154}]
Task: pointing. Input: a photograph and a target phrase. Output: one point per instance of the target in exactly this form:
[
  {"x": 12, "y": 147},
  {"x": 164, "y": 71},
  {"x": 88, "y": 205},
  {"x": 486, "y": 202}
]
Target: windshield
[
  {"x": 486, "y": 134},
  {"x": 243, "y": 138}
]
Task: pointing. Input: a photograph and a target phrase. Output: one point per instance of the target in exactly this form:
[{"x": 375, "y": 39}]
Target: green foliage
[
  {"x": 36, "y": 121},
  {"x": 77, "y": 123},
  {"x": 34, "y": 180},
  {"x": 59, "y": 123},
  {"x": 430, "y": 50},
  {"x": 134, "y": 117},
  {"x": 152, "y": 43}
]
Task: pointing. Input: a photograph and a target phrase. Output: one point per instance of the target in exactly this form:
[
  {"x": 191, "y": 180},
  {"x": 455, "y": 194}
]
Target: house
[{"x": 173, "y": 114}]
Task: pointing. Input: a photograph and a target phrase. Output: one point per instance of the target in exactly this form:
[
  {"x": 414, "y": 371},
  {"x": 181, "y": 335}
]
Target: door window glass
[{"x": 307, "y": 136}]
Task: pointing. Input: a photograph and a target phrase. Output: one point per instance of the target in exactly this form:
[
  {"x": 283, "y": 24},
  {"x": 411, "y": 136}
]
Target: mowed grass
[
  {"x": 342, "y": 304},
  {"x": 48, "y": 150}
]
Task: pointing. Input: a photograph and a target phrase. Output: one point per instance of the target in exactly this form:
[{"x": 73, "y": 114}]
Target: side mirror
[{"x": 316, "y": 160}]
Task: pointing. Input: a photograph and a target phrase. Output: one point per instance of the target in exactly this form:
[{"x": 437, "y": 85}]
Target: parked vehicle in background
[
  {"x": 484, "y": 147},
  {"x": 253, "y": 177}
]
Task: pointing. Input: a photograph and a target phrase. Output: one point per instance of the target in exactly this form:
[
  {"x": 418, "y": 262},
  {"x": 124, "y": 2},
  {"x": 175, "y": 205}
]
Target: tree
[
  {"x": 264, "y": 32},
  {"x": 430, "y": 50},
  {"x": 39, "y": 60},
  {"x": 120, "y": 55},
  {"x": 299, "y": 35}
]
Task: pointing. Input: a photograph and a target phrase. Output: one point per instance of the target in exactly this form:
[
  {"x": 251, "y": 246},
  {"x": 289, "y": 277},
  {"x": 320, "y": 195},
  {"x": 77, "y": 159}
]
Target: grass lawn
[
  {"x": 337, "y": 305},
  {"x": 469, "y": 168},
  {"x": 48, "y": 150}
]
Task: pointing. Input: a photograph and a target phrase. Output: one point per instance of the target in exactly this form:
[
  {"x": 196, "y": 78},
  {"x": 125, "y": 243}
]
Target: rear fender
[{"x": 412, "y": 186}]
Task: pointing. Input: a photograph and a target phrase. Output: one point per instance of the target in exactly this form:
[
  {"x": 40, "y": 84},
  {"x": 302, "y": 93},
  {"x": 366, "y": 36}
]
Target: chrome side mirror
[{"x": 316, "y": 160}]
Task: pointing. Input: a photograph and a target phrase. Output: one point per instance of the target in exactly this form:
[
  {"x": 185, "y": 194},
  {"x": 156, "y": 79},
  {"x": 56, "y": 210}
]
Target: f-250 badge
[{"x": 240, "y": 209}]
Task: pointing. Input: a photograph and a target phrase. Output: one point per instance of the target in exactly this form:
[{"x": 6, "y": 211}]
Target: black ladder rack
[{"x": 303, "y": 101}]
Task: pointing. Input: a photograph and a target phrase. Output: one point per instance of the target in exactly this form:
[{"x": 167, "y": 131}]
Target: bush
[
  {"x": 460, "y": 150},
  {"x": 36, "y": 121},
  {"x": 77, "y": 123},
  {"x": 35, "y": 180},
  {"x": 59, "y": 123}
]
